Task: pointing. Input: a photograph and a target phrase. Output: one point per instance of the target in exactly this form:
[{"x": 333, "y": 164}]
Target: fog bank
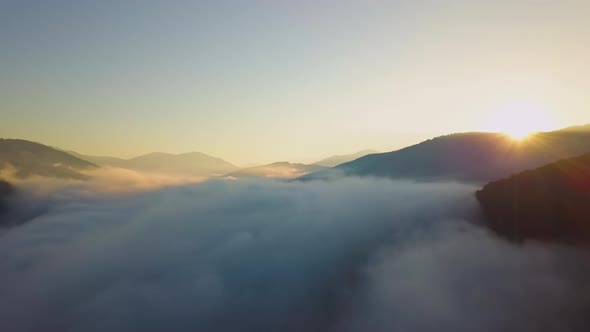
[{"x": 347, "y": 255}]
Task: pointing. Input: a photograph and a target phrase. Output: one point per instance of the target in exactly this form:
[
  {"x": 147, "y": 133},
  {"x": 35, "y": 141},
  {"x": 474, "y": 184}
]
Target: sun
[
  {"x": 519, "y": 120},
  {"x": 518, "y": 134}
]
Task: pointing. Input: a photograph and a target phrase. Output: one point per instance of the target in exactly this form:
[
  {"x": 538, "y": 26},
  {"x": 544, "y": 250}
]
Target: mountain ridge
[
  {"x": 474, "y": 157},
  {"x": 26, "y": 158},
  {"x": 336, "y": 160},
  {"x": 188, "y": 163}
]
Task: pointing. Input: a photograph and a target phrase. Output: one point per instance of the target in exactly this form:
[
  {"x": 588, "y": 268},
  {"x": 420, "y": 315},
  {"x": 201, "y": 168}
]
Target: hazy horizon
[
  {"x": 269, "y": 161},
  {"x": 265, "y": 81}
]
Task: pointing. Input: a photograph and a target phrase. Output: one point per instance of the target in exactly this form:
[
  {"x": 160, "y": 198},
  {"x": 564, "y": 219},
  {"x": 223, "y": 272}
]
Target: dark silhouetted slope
[
  {"x": 550, "y": 203},
  {"x": 337, "y": 160},
  {"x": 6, "y": 191},
  {"x": 280, "y": 170},
  {"x": 26, "y": 159},
  {"x": 478, "y": 157}
]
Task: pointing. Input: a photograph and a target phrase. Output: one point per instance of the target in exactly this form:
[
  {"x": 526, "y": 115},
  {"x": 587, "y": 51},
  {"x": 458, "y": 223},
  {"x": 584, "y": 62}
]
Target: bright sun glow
[
  {"x": 519, "y": 120},
  {"x": 519, "y": 133}
]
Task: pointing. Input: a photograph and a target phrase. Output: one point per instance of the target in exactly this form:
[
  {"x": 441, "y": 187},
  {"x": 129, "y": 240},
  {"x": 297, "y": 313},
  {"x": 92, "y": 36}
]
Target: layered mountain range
[
  {"x": 23, "y": 159},
  {"x": 475, "y": 157},
  {"x": 539, "y": 187},
  {"x": 341, "y": 159},
  {"x": 189, "y": 164}
]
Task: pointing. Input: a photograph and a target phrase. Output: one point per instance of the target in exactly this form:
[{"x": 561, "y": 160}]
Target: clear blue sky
[{"x": 260, "y": 81}]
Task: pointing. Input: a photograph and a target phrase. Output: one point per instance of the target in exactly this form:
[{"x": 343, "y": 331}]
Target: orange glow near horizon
[
  {"x": 518, "y": 134},
  {"x": 520, "y": 120}
]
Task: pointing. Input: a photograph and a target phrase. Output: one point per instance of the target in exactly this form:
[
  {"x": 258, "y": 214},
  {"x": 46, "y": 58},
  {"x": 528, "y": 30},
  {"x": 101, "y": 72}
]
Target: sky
[{"x": 263, "y": 81}]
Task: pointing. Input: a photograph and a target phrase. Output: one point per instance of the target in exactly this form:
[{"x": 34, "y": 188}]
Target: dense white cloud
[{"x": 347, "y": 255}]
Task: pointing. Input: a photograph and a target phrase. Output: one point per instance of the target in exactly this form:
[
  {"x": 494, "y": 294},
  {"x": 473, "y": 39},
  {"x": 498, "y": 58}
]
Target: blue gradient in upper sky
[{"x": 260, "y": 81}]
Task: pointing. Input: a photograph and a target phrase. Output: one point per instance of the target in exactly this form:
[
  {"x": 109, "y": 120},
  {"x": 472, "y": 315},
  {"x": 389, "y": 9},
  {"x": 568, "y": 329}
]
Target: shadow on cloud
[{"x": 347, "y": 255}]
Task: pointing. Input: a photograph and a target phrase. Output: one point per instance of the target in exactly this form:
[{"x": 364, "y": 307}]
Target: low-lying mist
[{"x": 347, "y": 255}]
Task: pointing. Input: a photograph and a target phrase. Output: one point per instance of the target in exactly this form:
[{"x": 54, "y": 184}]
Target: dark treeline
[
  {"x": 6, "y": 190},
  {"x": 550, "y": 203}
]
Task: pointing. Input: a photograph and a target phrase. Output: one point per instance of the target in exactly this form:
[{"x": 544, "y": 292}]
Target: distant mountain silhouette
[
  {"x": 280, "y": 170},
  {"x": 28, "y": 159},
  {"x": 101, "y": 160},
  {"x": 549, "y": 203},
  {"x": 191, "y": 164},
  {"x": 477, "y": 157},
  {"x": 337, "y": 160}
]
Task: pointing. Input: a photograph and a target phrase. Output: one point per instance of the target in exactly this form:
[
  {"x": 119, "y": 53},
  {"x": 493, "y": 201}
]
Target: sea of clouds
[{"x": 345, "y": 255}]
